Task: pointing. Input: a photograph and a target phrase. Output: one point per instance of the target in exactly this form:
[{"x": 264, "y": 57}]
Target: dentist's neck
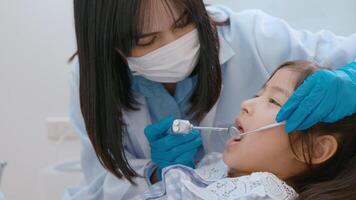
[{"x": 170, "y": 87}]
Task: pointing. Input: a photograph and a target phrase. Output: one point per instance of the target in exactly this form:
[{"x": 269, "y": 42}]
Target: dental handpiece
[{"x": 185, "y": 127}]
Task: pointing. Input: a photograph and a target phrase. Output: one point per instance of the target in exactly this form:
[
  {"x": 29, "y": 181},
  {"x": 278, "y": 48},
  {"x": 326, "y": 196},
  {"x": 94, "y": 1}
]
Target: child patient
[{"x": 317, "y": 163}]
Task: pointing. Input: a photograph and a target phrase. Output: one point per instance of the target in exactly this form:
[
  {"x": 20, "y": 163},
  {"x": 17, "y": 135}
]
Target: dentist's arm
[{"x": 270, "y": 41}]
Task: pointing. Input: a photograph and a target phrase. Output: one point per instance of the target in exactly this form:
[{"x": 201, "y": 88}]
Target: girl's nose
[{"x": 247, "y": 107}]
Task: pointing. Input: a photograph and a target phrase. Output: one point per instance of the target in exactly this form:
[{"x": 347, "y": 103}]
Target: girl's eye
[
  {"x": 270, "y": 100},
  {"x": 146, "y": 41}
]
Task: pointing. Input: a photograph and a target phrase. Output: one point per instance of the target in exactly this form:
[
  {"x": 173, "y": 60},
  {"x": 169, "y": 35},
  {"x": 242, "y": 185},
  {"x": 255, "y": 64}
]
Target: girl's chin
[{"x": 229, "y": 159}]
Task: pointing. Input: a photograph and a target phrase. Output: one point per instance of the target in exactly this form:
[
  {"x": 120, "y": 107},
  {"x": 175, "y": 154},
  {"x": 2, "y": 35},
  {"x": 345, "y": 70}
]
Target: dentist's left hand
[{"x": 168, "y": 149}]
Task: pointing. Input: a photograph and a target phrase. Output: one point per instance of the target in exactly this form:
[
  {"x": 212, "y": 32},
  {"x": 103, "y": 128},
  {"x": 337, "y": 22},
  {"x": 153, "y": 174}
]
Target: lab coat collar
[{"x": 226, "y": 52}]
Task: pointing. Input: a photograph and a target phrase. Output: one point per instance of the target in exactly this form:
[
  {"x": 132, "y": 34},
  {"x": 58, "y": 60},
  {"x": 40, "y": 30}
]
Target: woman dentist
[{"x": 141, "y": 61}]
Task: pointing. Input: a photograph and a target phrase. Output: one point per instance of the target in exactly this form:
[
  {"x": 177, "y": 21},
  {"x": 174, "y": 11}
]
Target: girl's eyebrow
[
  {"x": 277, "y": 89},
  {"x": 281, "y": 90}
]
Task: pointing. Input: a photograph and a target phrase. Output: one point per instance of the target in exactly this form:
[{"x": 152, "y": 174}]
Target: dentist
[{"x": 139, "y": 61}]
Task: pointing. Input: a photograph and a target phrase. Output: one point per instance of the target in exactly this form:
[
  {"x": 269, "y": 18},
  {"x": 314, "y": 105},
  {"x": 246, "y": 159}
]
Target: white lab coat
[{"x": 251, "y": 47}]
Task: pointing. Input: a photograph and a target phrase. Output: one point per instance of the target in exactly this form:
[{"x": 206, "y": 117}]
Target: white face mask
[{"x": 170, "y": 63}]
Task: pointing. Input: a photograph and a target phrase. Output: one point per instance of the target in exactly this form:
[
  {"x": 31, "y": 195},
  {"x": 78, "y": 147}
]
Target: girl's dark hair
[
  {"x": 106, "y": 32},
  {"x": 335, "y": 178}
]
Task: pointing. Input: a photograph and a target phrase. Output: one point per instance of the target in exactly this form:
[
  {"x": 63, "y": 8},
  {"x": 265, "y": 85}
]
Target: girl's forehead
[
  {"x": 285, "y": 78},
  {"x": 158, "y": 15}
]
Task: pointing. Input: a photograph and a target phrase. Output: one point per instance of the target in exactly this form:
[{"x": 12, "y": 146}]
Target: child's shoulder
[
  {"x": 212, "y": 169},
  {"x": 272, "y": 185},
  {"x": 259, "y": 185}
]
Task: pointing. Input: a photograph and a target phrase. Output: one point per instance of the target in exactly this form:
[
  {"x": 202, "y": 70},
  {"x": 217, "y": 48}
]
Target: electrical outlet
[{"x": 60, "y": 128}]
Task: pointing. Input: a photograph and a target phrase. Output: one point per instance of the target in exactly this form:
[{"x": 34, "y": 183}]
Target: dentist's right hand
[{"x": 169, "y": 149}]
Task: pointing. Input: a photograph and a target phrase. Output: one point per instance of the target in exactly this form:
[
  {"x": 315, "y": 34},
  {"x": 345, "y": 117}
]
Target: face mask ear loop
[{"x": 123, "y": 57}]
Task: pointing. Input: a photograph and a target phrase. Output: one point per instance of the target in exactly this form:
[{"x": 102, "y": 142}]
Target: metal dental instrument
[
  {"x": 262, "y": 128},
  {"x": 185, "y": 127}
]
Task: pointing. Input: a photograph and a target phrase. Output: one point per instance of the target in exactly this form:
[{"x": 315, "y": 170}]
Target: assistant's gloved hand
[
  {"x": 325, "y": 96},
  {"x": 168, "y": 149}
]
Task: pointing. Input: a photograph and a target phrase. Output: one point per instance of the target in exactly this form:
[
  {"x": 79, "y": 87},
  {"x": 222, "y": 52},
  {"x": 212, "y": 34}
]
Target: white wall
[{"x": 36, "y": 39}]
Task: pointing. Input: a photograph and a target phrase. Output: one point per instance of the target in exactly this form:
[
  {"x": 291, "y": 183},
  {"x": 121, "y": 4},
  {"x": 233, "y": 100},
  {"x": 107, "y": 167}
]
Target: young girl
[{"x": 318, "y": 163}]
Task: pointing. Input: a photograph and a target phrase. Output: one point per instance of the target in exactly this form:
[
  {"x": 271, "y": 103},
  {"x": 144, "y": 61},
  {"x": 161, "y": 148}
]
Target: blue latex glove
[
  {"x": 325, "y": 96},
  {"x": 168, "y": 149}
]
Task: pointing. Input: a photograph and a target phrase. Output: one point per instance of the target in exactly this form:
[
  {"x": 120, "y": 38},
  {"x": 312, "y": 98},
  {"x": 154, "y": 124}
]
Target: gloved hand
[
  {"x": 325, "y": 96},
  {"x": 168, "y": 149}
]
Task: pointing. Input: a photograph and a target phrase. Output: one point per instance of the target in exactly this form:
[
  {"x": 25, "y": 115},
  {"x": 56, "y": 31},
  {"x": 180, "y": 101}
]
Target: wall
[{"x": 36, "y": 39}]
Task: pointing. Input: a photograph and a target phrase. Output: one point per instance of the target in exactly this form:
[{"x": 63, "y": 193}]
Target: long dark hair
[
  {"x": 106, "y": 32},
  {"x": 335, "y": 178}
]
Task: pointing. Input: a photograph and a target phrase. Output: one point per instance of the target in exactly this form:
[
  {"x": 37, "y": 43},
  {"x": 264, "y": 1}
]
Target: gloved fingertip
[
  {"x": 148, "y": 133},
  {"x": 158, "y": 130},
  {"x": 166, "y": 124},
  {"x": 280, "y": 117}
]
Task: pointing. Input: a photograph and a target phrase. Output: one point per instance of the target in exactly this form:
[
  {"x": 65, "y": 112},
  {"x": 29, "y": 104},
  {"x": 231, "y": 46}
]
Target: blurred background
[{"x": 36, "y": 40}]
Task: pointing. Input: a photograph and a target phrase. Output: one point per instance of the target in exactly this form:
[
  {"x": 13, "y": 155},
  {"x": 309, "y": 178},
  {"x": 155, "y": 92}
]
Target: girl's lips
[{"x": 239, "y": 126}]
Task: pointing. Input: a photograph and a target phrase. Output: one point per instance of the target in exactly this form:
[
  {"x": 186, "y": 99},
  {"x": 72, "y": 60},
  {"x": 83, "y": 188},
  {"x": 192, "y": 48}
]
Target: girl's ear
[{"x": 324, "y": 147}]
